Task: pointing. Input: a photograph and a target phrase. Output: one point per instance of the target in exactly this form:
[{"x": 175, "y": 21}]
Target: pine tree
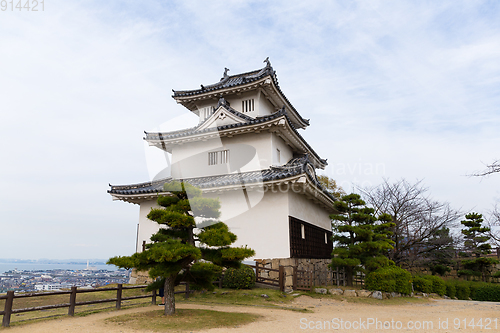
[
  {"x": 362, "y": 239},
  {"x": 180, "y": 252},
  {"x": 476, "y": 244},
  {"x": 439, "y": 251}
]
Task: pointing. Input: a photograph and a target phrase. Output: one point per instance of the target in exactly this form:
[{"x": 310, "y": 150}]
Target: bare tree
[
  {"x": 490, "y": 168},
  {"x": 418, "y": 218},
  {"x": 493, "y": 222}
]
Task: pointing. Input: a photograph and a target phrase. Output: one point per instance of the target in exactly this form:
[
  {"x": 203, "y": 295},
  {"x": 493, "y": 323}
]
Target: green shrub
[
  {"x": 421, "y": 284},
  {"x": 450, "y": 289},
  {"x": 468, "y": 273},
  {"x": 473, "y": 287},
  {"x": 487, "y": 292},
  {"x": 438, "y": 285},
  {"x": 239, "y": 278},
  {"x": 440, "y": 269},
  {"x": 389, "y": 279},
  {"x": 496, "y": 274},
  {"x": 462, "y": 290}
]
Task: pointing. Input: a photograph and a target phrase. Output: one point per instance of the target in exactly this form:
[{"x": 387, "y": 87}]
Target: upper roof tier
[{"x": 263, "y": 80}]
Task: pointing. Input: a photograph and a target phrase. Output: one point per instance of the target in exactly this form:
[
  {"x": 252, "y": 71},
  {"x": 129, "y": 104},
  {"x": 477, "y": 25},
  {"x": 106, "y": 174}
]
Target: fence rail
[{"x": 10, "y": 296}]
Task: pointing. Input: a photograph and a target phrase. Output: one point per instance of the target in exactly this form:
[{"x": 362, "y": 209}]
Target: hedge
[
  {"x": 389, "y": 279},
  {"x": 487, "y": 292},
  {"x": 429, "y": 284},
  {"x": 421, "y": 284},
  {"x": 239, "y": 278},
  {"x": 450, "y": 289}
]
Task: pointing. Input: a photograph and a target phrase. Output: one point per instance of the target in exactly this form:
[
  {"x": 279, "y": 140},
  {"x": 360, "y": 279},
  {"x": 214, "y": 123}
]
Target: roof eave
[
  {"x": 300, "y": 181},
  {"x": 266, "y": 81},
  {"x": 280, "y": 122}
]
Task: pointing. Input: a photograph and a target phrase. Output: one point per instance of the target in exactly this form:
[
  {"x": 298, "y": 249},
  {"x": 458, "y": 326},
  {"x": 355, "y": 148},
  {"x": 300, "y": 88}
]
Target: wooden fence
[
  {"x": 303, "y": 279},
  {"x": 277, "y": 281},
  {"x": 10, "y": 296}
]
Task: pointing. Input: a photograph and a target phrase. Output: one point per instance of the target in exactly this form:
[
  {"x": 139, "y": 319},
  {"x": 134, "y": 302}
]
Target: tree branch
[{"x": 491, "y": 168}]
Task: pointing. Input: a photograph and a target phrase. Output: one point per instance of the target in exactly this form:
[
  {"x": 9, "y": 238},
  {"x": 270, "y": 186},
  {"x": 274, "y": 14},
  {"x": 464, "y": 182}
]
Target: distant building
[
  {"x": 247, "y": 151},
  {"x": 52, "y": 286}
]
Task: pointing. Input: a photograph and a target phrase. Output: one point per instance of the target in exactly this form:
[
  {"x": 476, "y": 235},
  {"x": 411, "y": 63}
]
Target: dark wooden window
[{"x": 311, "y": 246}]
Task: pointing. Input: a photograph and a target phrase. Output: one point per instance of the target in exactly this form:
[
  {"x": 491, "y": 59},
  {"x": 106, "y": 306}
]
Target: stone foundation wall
[
  {"x": 319, "y": 267},
  {"x": 141, "y": 277}
]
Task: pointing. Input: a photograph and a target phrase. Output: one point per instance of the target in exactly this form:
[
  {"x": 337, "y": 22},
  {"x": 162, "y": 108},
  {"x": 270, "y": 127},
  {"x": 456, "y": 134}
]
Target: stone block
[
  {"x": 320, "y": 290},
  {"x": 364, "y": 293},
  {"x": 350, "y": 293},
  {"x": 336, "y": 291},
  {"x": 377, "y": 295},
  {"x": 393, "y": 295}
]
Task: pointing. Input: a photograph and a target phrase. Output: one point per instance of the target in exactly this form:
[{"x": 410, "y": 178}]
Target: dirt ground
[{"x": 328, "y": 315}]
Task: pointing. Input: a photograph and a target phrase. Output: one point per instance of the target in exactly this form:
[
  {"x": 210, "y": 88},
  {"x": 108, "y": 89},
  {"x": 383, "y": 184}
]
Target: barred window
[
  {"x": 218, "y": 157},
  {"x": 212, "y": 158},
  {"x": 206, "y": 112},
  {"x": 247, "y": 105}
]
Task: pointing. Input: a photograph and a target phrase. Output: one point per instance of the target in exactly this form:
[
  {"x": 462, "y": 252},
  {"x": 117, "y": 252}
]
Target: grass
[
  {"x": 182, "y": 320},
  {"x": 244, "y": 297}
]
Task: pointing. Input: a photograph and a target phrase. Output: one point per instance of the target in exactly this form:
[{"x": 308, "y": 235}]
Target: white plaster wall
[
  {"x": 248, "y": 152},
  {"x": 205, "y": 103},
  {"x": 146, "y": 226},
  {"x": 306, "y": 210},
  {"x": 286, "y": 152},
  {"x": 235, "y": 102},
  {"x": 265, "y": 107},
  {"x": 263, "y": 226}
]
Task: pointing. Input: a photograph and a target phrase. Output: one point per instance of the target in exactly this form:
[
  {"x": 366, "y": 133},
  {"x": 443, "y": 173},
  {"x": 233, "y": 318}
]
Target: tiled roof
[
  {"x": 229, "y": 81},
  {"x": 258, "y": 120},
  {"x": 294, "y": 167}
]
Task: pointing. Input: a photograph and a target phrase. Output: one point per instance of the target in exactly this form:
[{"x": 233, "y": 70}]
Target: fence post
[
  {"x": 119, "y": 296},
  {"x": 281, "y": 278},
  {"x": 8, "y": 308},
  {"x": 72, "y": 302},
  {"x": 153, "y": 300},
  {"x": 186, "y": 294},
  {"x": 313, "y": 282},
  {"x": 257, "y": 271}
]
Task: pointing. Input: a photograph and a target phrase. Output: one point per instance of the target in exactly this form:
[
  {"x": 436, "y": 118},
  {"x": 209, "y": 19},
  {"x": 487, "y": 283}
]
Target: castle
[{"x": 247, "y": 151}]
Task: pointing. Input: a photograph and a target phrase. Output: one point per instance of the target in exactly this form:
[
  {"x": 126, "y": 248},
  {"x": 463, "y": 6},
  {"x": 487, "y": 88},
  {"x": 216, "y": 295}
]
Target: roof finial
[
  {"x": 225, "y": 71},
  {"x": 268, "y": 63}
]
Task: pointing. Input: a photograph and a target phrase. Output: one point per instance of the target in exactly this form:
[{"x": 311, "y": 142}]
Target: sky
[{"x": 393, "y": 89}]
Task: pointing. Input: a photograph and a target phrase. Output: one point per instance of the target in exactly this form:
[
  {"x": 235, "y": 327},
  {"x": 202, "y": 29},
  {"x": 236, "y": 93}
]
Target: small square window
[
  {"x": 218, "y": 157},
  {"x": 247, "y": 105}
]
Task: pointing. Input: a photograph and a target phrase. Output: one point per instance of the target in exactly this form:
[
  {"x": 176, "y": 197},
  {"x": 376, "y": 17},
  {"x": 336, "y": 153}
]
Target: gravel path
[{"x": 350, "y": 317}]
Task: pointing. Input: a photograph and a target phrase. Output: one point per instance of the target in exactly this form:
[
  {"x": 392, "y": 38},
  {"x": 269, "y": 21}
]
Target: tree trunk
[
  {"x": 349, "y": 275},
  {"x": 169, "y": 295}
]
